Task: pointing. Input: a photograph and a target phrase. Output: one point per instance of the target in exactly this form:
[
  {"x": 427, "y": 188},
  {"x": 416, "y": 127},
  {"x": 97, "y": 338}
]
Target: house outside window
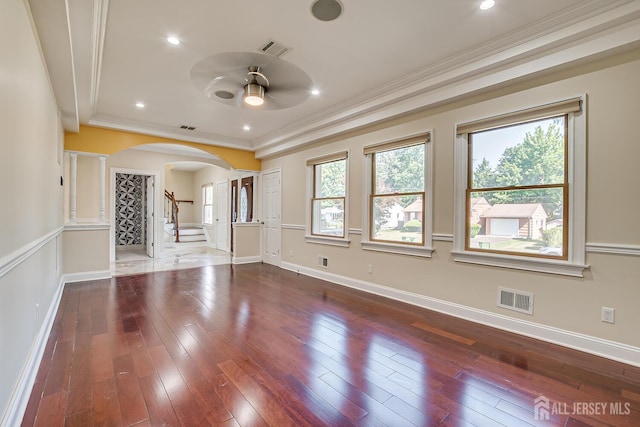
[
  {"x": 520, "y": 189},
  {"x": 398, "y": 196},
  {"x": 327, "y": 189},
  {"x": 207, "y": 204}
]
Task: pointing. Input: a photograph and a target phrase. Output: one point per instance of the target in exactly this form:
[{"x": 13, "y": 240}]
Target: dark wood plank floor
[{"x": 255, "y": 345}]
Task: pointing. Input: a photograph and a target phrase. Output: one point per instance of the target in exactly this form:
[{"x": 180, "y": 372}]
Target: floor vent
[
  {"x": 274, "y": 48},
  {"x": 515, "y": 300}
]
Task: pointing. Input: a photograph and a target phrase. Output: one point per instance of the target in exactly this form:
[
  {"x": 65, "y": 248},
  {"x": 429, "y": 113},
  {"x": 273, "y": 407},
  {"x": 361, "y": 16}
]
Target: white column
[
  {"x": 102, "y": 187},
  {"x": 73, "y": 172}
]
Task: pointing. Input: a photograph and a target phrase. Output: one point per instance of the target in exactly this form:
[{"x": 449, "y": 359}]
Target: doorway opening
[{"x": 134, "y": 209}]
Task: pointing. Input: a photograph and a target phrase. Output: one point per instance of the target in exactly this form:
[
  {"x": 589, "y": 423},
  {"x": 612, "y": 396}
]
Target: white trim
[
  {"x": 87, "y": 275},
  {"x": 87, "y": 226},
  {"x": 293, "y": 227},
  {"x": 355, "y": 231},
  {"x": 331, "y": 241},
  {"x": 613, "y": 248},
  {"x": 15, "y": 258},
  {"x": 524, "y": 53},
  {"x": 426, "y": 248},
  {"x": 577, "y": 164},
  {"x": 245, "y": 224},
  {"x": 158, "y": 198},
  {"x": 600, "y": 347},
  {"x": 246, "y": 259},
  {"x": 310, "y": 192},
  {"x": 22, "y": 392},
  {"x": 540, "y": 265},
  {"x": 413, "y": 250},
  {"x": 442, "y": 237}
]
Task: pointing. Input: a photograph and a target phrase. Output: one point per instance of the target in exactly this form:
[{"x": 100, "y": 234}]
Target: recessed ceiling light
[
  {"x": 315, "y": 92},
  {"x": 246, "y": 127},
  {"x": 173, "y": 40},
  {"x": 487, "y": 4},
  {"x": 140, "y": 104}
]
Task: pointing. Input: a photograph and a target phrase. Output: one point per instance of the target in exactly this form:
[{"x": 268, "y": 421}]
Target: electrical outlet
[
  {"x": 323, "y": 261},
  {"x": 608, "y": 315},
  {"x": 370, "y": 269}
]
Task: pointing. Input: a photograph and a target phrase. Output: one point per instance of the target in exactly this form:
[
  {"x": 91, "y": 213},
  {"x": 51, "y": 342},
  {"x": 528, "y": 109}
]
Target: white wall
[
  {"x": 569, "y": 304},
  {"x": 30, "y": 171}
]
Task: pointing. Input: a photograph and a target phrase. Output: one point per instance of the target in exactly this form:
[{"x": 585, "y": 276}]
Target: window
[
  {"x": 399, "y": 196},
  {"x": 328, "y": 199},
  {"x": 207, "y": 204},
  {"x": 520, "y": 202}
]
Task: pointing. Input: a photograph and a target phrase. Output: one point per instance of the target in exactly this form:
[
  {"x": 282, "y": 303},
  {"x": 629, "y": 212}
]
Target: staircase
[{"x": 192, "y": 233}]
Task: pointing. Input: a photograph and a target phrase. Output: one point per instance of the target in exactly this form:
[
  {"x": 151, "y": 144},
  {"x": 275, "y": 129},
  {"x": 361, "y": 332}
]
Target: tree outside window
[
  {"x": 329, "y": 196},
  {"x": 517, "y": 189},
  {"x": 397, "y": 198}
]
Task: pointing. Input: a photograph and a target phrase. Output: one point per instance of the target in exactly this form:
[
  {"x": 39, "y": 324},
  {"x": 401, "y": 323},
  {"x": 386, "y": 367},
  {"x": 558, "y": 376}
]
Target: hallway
[{"x": 182, "y": 255}]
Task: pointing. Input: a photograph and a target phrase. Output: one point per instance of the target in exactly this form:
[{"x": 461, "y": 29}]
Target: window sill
[
  {"x": 521, "y": 263},
  {"x": 420, "y": 251},
  {"x": 331, "y": 241}
]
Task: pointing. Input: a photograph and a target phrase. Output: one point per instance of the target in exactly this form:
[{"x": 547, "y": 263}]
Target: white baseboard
[
  {"x": 246, "y": 259},
  {"x": 88, "y": 275},
  {"x": 20, "y": 398},
  {"x": 600, "y": 347}
]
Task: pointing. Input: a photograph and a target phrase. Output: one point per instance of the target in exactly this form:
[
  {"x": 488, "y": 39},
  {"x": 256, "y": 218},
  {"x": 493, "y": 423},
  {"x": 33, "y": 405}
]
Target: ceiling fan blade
[{"x": 222, "y": 77}]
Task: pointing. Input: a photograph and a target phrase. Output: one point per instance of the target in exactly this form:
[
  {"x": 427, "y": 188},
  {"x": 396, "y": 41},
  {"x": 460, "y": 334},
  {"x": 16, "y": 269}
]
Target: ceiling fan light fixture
[{"x": 254, "y": 94}]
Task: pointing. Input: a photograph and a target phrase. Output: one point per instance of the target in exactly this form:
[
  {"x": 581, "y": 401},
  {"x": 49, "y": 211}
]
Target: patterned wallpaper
[{"x": 130, "y": 209}]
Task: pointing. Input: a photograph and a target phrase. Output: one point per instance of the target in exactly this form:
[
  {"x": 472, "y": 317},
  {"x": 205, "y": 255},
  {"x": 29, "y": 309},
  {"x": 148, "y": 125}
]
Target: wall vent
[
  {"x": 515, "y": 300},
  {"x": 274, "y": 48},
  {"x": 323, "y": 261},
  {"x": 187, "y": 127}
]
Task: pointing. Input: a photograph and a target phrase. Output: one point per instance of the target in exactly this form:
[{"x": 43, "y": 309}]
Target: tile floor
[{"x": 183, "y": 255}]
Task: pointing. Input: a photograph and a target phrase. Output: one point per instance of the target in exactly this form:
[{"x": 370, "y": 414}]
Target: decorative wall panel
[{"x": 130, "y": 209}]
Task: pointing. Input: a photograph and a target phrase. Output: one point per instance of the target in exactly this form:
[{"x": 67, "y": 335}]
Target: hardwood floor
[{"x": 255, "y": 345}]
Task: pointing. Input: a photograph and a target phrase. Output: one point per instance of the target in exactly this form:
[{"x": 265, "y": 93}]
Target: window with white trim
[
  {"x": 207, "y": 204},
  {"x": 398, "y": 193},
  {"x": 520, "y": 189},
  {"x": 327, "y": 188}
]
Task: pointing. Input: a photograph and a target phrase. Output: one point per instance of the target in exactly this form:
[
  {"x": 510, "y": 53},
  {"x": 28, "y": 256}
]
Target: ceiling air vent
[
  {"x": 274, "y": 48},
  {"x": 515, "y": 300},
  {"x": 185, "y": 127}
]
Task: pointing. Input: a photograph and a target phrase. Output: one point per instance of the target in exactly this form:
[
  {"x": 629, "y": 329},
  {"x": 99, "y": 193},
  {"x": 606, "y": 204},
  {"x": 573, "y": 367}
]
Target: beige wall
[
  {"x": 85, "y": 251},
  {"x": 180, "y": 183},
  {"x": 246, "y": 239},
  {"x": 207, "y": 175},
  {"x": 30, "y": 170},
  {"x": 570, "y": 304}
]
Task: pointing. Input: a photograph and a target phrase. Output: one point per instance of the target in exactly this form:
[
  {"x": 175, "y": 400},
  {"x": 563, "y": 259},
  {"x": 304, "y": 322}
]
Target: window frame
[
  {"x": 204, "y": 204},
  {"x": 572, "y": 263},
  {"x": 424, "y": 249},
  {"x": 327, "y": 239}
]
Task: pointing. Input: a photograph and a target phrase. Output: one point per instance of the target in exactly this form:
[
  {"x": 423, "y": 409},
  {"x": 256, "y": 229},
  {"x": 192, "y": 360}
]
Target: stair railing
[{"x": 174, "y": 213}]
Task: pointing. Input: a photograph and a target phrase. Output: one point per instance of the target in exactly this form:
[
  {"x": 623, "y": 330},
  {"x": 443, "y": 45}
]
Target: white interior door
[
  {"x": 271, "y": 207},
  {"x": 222, "y": 219},
  {"x": 150, "y": 216}
]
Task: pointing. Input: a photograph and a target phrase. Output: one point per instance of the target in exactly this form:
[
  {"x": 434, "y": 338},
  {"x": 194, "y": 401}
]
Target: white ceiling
[{"x": 379, "y": 59}]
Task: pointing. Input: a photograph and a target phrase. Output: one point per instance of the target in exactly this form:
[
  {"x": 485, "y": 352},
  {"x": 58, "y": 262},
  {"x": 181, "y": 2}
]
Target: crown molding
[{"x": 591, "y": 31}]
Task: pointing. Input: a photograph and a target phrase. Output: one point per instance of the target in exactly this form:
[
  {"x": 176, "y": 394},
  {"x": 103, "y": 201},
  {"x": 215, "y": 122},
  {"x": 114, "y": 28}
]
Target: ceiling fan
[{"x": 251, "y": 80}]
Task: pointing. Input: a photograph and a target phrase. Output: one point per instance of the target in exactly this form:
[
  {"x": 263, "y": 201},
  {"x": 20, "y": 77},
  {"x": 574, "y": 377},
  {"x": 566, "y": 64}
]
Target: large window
[
  {"x": 328, "y": 180},
  {"x": 207, "y": 204},
  {"x": 399, "y": 194},
  {"x": 518, "y": 194}
]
